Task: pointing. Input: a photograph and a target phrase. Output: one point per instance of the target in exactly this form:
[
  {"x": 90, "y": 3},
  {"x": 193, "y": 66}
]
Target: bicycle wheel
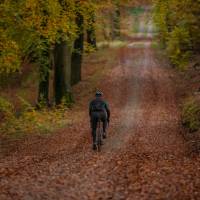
[{"x": 99, "y": 136}]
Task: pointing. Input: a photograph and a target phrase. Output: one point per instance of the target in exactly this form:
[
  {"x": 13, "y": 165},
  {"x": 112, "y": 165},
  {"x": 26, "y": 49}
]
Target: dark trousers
[{"x": 95, "y": 117}]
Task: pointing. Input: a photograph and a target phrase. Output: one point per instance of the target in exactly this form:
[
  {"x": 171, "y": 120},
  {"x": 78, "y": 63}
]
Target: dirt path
[{"x": 144, "y": 157}]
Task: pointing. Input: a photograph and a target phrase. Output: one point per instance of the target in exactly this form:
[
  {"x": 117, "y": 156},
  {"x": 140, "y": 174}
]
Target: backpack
[{"x": 98, "y": 106}]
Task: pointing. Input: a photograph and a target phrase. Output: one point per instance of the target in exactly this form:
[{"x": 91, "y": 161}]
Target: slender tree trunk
[
  {"x": 91, "y": 36},
  {"x": 62, "y": 77},
  {"x": 116, "y": 22},
  {"x": 44, "y": 68},
  {"x": 77, "y": 52},
  {"x": 43, "y": 92}
]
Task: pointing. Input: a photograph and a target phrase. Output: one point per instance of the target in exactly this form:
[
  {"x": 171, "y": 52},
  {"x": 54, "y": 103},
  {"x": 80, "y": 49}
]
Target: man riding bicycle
[{"x": 98, "y": 110}]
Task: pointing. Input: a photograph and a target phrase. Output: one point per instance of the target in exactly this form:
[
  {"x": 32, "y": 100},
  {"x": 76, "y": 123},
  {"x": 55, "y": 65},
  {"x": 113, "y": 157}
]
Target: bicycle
[{"x": 99, "y": 135}]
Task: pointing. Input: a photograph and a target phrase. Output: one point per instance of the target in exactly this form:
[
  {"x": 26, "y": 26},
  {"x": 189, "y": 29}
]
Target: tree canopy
[{"x": 178, "y": 23}]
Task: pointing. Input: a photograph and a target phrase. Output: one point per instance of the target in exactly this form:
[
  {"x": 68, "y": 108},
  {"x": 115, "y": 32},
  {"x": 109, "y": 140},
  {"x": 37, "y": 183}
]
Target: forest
[
  {"x": 143, "y": 55},
  {"x": 46, "y": 40}
]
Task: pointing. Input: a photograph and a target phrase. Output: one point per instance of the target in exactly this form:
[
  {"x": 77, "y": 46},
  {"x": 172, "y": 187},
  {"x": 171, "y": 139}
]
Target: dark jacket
[{"x": 99, "y": 105}]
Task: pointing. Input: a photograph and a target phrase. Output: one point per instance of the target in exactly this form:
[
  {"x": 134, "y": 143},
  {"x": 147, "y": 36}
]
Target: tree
[
  {"x": 44, "y": 71},
  {"x": 91, "y": 35},
  {"x": 31, "y": 28},
  {"x": 178, "y": 24},
  {"x": 77, "y": 53},
  {"x": 62, "y": 77},
  {"x": 116, "y": 20}
]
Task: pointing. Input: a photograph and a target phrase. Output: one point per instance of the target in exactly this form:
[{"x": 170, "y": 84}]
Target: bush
[
  {"x": 6, "y": 109},
  {"x": 191, "y": 114},
  {"x": 178, "y": 45},
  {"x": 31, "y": 121}
]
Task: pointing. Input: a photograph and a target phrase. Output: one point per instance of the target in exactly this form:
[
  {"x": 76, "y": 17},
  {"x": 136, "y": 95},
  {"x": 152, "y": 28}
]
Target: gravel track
[{"x": 144, "y": 157}]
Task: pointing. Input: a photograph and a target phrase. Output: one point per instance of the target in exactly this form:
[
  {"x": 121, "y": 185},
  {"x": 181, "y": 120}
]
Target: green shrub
[
  {"x": 6, "y": 108},
  {"x": 178, "y": 45},
  {"x": 191, "y": 114},
  {"x": 30, "y": 120},
  {"x": 34, "y": 122}
]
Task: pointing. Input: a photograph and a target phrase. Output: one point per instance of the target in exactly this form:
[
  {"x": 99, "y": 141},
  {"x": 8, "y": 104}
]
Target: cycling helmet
[{"x": 98, "y": 94}]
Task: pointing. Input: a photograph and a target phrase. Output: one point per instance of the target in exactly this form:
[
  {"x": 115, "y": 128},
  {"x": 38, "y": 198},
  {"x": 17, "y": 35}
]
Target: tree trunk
[
  {"x": 62, "y": 76},
  {"x": 43, "y": 92},
  {"x": 77, "y": 52},
  {"x": 116, "y": 22},
  {"x": 44, "y": 68},
  {"x": 91, "y": 36}
]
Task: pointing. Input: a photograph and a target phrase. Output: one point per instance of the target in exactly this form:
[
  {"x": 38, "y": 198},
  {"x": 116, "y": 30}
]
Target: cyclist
[{"x": 98, "y": 109}]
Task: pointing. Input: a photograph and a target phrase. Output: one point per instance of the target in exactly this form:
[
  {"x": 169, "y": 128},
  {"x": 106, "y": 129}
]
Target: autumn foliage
[{"x": 178, "y": 24}]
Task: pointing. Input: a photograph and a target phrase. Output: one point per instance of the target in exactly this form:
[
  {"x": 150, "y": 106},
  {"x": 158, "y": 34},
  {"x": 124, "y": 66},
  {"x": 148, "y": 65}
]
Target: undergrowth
[
  {"x": 29, "y": 120},
  {"x": 177, "y": 43},
  {"x": 191, "y": 114}
]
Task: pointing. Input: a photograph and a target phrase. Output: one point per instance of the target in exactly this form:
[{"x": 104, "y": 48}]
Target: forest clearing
[{"x": 143, "y": 56}]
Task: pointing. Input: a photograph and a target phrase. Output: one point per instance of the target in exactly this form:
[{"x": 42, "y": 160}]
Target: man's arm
[
  {"x": 90, "y": 109},
  {"x": 107, "y": 110}
]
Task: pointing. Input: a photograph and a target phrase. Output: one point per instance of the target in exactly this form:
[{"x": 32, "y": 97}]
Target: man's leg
[
  {"x": 104, "y": 120},
  {"x": 94, "y": 127}
]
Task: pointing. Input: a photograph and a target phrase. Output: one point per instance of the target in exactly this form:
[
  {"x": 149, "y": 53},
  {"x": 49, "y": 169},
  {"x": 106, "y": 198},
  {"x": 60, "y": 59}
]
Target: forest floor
[{"x": 144, "y": 157}]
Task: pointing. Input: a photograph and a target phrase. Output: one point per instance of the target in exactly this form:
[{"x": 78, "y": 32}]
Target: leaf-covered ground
[{"x": 144, "y": 156}]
